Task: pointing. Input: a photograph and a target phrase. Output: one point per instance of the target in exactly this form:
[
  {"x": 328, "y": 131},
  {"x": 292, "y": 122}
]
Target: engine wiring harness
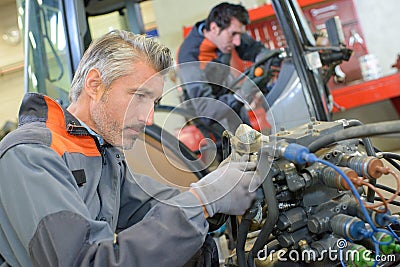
[{"x": 320, "y": 194}]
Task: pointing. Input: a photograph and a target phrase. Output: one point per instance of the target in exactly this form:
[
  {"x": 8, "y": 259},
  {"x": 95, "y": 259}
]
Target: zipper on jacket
[
  {"x": 74, "y": 129},
  {"x": 103, "y": 155}
]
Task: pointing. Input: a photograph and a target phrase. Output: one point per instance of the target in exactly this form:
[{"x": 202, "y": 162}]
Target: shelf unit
[{"x": 357, "y": 93}]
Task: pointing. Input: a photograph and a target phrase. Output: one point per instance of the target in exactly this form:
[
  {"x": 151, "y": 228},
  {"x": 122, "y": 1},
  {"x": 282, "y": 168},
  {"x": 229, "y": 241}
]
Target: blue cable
[
  {"x": 309, "y": 157},
  {"x": 394, "y": 220},
  {"x": 388, "y": 233},
  {"x": 394, "y": 235},
  {"x": 391, "y": 218},
  {"x": 355, "y": 193},
  {"x": 376, "y": 250},
  {"x": 301, "y": 155},
  {"x": 341, "y": 257}
]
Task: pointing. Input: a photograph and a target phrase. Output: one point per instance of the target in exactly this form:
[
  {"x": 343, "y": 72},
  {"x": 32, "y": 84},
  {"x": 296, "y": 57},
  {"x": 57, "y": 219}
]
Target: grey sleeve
[
  {"x": 44, "y": 222},
  {"x": 140, "y": 193},
  {"x": 249, "y": 48},
  {"x": 200, "y": 95}
]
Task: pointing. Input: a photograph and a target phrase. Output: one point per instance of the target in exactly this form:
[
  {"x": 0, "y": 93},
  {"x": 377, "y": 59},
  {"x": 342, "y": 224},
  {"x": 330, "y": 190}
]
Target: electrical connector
[{"x": 298, "y": 154}]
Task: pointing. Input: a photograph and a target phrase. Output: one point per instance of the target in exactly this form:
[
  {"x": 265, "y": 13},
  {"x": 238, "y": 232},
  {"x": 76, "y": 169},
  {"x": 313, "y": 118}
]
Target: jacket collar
[{"x": 41, "y": 108}]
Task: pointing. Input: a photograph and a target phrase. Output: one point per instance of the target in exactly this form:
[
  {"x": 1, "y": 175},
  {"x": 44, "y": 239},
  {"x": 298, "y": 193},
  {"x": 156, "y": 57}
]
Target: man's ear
[
  {"x": 93, "y": 84},
  {"x": 214, "y": 27}
]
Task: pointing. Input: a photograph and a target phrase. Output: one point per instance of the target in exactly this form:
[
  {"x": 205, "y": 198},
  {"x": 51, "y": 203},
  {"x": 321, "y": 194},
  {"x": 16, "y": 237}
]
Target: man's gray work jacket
[
  {"x": 63, "y": 196},
  {"x": 204, "y": 71}
]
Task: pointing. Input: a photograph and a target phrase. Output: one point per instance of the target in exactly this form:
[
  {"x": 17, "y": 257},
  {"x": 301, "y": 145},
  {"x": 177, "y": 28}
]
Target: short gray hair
[{"x": 113, "y": 52}]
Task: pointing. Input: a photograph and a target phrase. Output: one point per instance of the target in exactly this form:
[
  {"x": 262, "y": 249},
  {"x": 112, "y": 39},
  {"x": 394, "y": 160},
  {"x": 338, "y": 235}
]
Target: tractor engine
[{"x": 321, "y": 202}]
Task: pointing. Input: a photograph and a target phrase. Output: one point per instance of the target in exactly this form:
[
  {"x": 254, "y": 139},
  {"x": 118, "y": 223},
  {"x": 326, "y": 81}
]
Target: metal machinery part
[{"x": 309, "y": 214}]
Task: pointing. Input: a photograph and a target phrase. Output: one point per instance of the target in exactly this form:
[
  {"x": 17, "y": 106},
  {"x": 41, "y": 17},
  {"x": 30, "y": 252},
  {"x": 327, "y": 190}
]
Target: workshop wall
[
  {"x": 11, "y": 62},
  {"x": 380, "y": 21}
]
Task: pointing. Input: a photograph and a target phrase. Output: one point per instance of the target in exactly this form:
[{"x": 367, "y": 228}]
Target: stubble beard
[{"x": 107, "y": 127}]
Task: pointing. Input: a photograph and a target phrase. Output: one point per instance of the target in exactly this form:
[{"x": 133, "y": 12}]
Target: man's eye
[{"x": 140, "y": 96}]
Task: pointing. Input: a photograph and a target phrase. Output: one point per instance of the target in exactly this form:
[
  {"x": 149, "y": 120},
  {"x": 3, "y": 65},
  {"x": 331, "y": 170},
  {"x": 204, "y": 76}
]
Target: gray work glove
[{"x": 230, "y": 189}]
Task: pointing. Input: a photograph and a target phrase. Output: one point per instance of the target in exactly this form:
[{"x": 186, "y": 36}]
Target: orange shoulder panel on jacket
[
  {"x": 207, "y": 52},
  {"x": 61, "y": 140}
]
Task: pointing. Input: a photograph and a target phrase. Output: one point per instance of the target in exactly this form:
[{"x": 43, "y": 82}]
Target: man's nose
[
  {"x": 150, "y": 117},
  {"x": 236, "y": 40}
]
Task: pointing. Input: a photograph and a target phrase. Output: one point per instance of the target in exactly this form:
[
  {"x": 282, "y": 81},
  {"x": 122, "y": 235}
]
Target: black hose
[
  {"x": 241, "y": 242},
  {"x": 390, "y": 155},
  {"x": 272, "y": 248},
  {"x": 209, "y": 253},
  {"x": 394, "y": 163},
  {"x": 368, "y": 130},
  {"x": 395, "y": 203},
  {"x": 272, "y": 206},
  {"x": 244, "y": 227},
  {"x": 367, "y": 142},
  {"x": 232, "y": 229},
  {"x": 386, "y": 188},
  {"x": 207, "y": 259},
  {"x": 388, "y": 159}
]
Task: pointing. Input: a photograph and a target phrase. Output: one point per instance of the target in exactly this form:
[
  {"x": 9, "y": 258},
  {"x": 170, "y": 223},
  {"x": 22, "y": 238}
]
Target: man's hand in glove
[{"x": 229, "y": 189}]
